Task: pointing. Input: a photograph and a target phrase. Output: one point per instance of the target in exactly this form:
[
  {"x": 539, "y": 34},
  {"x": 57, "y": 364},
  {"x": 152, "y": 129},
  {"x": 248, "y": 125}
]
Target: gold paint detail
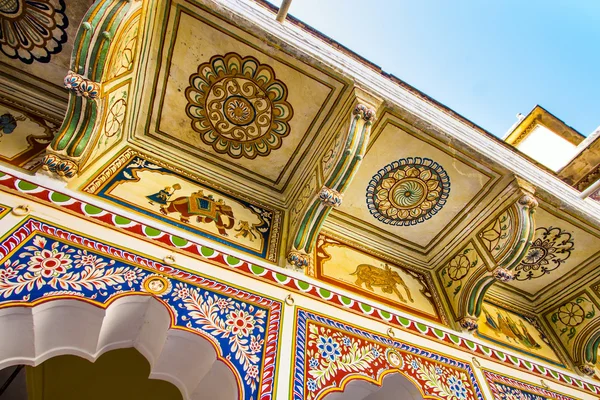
[
  {"x": 381, "y": 277},
  {"x": 238, "y": 106},
  {"x": 21, "y": 210},
  {"x": 289, "y": 300}
]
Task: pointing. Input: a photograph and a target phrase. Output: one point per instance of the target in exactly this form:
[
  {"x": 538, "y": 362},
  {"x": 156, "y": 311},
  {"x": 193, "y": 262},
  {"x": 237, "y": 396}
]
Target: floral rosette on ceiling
[
  {"x": 32, "y": 29},
  {"x": 238, "y": 106},
  {"x": 408, "y": 191}
]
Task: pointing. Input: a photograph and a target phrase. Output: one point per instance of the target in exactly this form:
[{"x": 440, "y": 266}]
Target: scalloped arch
[
  {"x": 393, "y": 384},
  {"x": 32, "y": 335}
]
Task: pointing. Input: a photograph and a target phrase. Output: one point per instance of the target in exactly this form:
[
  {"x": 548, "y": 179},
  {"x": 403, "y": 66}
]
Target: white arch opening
[
  {"x": 394, "y": 386},
  {"x": 32, "y": 335}
]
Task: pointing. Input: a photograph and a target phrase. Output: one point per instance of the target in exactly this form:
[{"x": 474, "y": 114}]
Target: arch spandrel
[
  {"x": 56, "y": 280},
  {"x": 331, "y": 356}
]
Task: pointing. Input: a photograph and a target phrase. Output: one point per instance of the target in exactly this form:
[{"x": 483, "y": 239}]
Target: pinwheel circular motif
[
  {"x": 408, "y": 191},
  {"x": 238, "y": 106},
  {"x": 32, "y": 30}
]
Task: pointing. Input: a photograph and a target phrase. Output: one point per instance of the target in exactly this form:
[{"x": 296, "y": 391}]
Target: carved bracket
[
  {"x": 343, "y": 160},
  {"x": 76, "y": 138},
  {"x": 498, "y": 249}
]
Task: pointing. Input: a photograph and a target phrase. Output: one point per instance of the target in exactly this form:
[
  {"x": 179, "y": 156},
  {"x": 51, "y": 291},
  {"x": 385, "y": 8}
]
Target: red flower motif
[
  {"x": 130, "y": 276},
  {"x": 253, "y": 371},
  {"x": 48, "y": 263},
  {"x": 240, "y": 323},
  {"x": 255, "y": 346},
  {"x": 8, "y": 273}
]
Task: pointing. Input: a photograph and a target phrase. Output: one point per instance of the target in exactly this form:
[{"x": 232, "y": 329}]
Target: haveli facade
[{"x": 262, "y": 214}]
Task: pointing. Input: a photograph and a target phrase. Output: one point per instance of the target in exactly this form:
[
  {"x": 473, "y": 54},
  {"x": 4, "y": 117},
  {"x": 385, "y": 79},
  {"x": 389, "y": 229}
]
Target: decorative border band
[{"x": 278, "y": 277}]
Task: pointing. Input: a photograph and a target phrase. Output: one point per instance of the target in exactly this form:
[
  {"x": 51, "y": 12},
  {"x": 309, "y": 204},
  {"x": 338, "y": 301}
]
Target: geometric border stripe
[{"x": 278, "y": 276}]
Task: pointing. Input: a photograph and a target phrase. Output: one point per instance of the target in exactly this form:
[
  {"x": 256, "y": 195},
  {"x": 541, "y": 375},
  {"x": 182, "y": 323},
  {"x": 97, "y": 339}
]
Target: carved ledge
[
  {"x": 62, "y": 168},
  {"x": 81, "y": 86},
  {"x": 527, "y": 200},
  {"x": 503, "y": 275},
  {"x": 330, "y": 197},
  {"x": 368, "y": 114},
  {"x": 469, "y": 324},
  {"x": 300, "y": 260},
  {"x": 587, "y": 369}
]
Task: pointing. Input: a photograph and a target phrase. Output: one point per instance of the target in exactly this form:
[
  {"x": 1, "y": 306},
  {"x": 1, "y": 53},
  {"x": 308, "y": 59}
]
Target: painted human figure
[
  {"x": 163, "y": 196},
  {"x": 245, "y": 230},
  {"x": 156, "y": 285}
]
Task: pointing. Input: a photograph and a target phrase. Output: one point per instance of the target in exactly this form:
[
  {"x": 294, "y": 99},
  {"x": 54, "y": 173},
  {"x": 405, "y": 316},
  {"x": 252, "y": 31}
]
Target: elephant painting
[
  {"x": 205, "y": 208},
  {"x": 381, "y": 277}
]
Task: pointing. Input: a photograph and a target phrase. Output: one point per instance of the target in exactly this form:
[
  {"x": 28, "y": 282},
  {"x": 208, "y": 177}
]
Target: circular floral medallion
[
  {"x": 571, "y": 314},
  {"x": 115, "y": 117},
  {"x": 394, "y": 358},
  {"x": 408, "y": 191},
  {"x": 32, "y": 29},
  {"x": 238, "y": 106}
]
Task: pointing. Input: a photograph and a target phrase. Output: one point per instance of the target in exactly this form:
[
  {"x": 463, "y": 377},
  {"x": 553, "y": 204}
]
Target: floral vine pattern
[
  {"x": 238, "y": 106},
  {"x": 496, "y": 237},
  {"x": 458, "y": 268},
  {"x": 371, "y": 311},
  {"x": 47, "y": 262},
  {"x": 408, "y": 191},
  {"x": 551, "y": 248},
  {"x": 32, "y": 30},
  {"x": 328, "y": 354},
  {"x": 505, "y": 388}
]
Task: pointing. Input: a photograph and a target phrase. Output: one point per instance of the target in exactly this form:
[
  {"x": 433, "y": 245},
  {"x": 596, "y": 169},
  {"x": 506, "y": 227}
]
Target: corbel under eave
[
  {"x": 75, "y": 139},
  {"x": 330, "y": 194},
  {"x": 471, "y": 301}
]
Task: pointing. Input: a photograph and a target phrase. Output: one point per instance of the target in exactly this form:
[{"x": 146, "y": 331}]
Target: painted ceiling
[
  {"x": 45, "y": 51},
  {"x": 411, "y": 189},
  {"x": 236, "y": 105},
  {"x": 562, "y": 249}
]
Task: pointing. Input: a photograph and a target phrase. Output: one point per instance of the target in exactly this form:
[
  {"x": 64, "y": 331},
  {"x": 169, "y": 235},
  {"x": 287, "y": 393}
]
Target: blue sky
[{"x": 487, "y": 60}]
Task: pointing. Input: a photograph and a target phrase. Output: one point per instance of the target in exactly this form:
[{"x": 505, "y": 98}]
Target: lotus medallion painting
[
  {"x": 238, "y": 106},
  {"x": 408, "y": 191},
  {"x": 32, "y": 30},
  {"x": 155, "y": 189}
]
